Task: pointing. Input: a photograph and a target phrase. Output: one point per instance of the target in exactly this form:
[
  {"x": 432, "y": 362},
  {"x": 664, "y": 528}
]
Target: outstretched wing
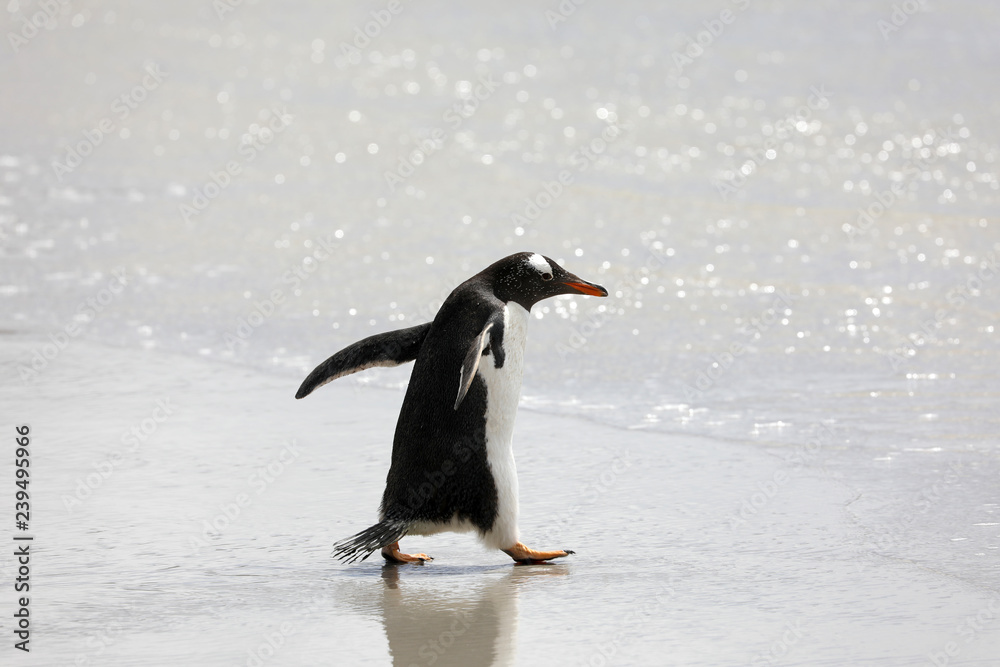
[
  {"x": 491, "y": 335},
  {"x": 386, "y": 349}
]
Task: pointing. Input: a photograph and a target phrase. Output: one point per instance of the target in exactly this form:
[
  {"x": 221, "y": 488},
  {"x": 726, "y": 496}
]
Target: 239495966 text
[{"x": 22, "y": 541}]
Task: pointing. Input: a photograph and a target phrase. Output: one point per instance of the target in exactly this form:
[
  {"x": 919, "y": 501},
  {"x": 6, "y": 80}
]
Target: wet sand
[{"x": 209, "y": 541}]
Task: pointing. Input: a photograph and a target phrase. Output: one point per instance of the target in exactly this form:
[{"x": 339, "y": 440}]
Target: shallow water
[{"x": 775, "y": 443}]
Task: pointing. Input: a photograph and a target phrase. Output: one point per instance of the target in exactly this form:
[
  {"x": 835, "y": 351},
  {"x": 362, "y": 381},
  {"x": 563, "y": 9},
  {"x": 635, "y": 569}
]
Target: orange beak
[{"x": 587, "y": 288}]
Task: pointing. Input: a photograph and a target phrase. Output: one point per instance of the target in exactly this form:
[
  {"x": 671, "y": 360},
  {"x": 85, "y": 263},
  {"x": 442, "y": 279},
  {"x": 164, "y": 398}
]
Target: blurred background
[
  {"x": 704, "y": 171},
  {"x": 794, "y": 205}
]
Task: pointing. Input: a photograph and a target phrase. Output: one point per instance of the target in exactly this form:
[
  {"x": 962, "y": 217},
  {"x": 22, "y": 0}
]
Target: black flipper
[
  {"x": 369, "y": 540},
  {"x": 385, "y": 349},
  {"x": 471, "y": 363},
  {"x": 491, "y": 336}
]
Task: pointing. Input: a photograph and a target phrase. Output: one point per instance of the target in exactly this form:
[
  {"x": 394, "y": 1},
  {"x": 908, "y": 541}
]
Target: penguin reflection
[{"x": 430, "y": 621}]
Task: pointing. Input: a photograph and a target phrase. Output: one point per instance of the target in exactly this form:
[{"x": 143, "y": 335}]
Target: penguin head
[{"x": 527, "y": 277}]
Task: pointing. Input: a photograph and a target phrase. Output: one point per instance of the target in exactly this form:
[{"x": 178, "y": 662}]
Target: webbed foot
[
  {"x": 526, "y": 556},
  {"x": 391, "y": 553}
]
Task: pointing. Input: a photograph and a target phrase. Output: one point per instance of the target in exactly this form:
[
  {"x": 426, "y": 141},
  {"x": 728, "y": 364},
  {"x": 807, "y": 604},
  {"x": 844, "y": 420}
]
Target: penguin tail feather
[{"x": 361, "y": 546}]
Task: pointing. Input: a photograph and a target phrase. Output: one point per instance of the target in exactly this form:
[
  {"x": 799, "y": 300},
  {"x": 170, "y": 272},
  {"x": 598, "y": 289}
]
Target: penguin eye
[{"x": 546, "y": 276}]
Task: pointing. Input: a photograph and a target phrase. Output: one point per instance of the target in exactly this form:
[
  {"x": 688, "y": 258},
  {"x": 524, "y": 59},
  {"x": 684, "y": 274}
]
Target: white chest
[
  {"x": 503, "y": 391},
  {"x": 503, "y": 385}
]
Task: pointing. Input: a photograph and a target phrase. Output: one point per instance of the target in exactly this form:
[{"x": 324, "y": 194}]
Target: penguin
[{"x": 452, "y": 465}]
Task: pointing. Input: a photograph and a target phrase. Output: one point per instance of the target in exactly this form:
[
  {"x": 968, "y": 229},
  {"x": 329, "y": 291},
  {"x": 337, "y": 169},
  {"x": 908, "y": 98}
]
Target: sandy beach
[
  {"x": 774, "y": 443},
  {"x": 206, "y": 538}
]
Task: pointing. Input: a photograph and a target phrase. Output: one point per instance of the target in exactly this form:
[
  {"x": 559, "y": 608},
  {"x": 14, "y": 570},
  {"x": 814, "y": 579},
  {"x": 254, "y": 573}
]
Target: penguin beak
[{"x": 583, "y": 287}]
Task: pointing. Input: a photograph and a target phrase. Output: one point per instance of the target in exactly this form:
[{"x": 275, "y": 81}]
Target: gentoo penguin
[{"x": 452, "y": 460}]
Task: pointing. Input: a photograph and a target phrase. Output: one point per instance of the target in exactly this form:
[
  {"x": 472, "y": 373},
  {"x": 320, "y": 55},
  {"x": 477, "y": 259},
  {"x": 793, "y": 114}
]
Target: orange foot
[
  {"x": 391, "y": 553},
  {"x": 526, "y": 556}
]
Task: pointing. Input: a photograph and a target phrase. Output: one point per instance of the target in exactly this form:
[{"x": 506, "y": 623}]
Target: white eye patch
[{"x": 539, "y": 263}]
